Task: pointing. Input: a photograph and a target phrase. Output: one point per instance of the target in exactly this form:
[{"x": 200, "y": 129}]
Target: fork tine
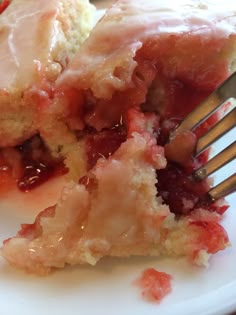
[
  {"x": 218, "y": 161},
  {"x": 225, "y": 188},
  {"x": 210, "y": 105},
  {"x": 221, "y": 128}
]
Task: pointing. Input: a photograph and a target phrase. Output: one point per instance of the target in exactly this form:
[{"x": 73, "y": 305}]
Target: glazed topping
[
  {"x": 109, "y": 67},
  {"x": 160, "y": 60},
  {"x": 27, "y": 37}
]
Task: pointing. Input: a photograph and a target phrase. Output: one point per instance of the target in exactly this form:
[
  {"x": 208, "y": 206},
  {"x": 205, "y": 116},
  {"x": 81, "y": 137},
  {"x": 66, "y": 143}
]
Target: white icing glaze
[
  {"x": 23, "y": 41},
  {"x": 177, "y": 16}
]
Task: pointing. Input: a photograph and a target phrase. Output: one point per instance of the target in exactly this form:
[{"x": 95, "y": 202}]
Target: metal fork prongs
[{"x": 226, "y": 92}]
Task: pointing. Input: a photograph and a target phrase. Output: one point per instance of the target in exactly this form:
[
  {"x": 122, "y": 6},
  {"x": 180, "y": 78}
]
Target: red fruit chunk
[
  {"x": 4, "y": 4},
  {"x": 155, "y": 285}
]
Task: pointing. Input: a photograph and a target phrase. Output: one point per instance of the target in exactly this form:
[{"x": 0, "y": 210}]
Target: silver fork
[{"x": 225, "y": 92}]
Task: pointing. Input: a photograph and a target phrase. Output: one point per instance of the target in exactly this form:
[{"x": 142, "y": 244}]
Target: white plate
[{"x": 108, "y": 287}]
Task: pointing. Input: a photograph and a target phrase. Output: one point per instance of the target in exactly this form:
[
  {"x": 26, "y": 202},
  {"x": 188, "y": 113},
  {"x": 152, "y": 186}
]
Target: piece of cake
[
  {"x": 37, "y": 39},
  {"x": 143, "y": 68}
]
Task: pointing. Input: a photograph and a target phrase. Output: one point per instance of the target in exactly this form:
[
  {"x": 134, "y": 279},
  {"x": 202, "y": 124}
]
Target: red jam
[{"x": 37, "y": 165}]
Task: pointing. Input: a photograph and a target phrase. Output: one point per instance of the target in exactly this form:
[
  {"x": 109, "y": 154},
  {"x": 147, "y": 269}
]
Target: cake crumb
[{"x": 155, "y": 285}]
